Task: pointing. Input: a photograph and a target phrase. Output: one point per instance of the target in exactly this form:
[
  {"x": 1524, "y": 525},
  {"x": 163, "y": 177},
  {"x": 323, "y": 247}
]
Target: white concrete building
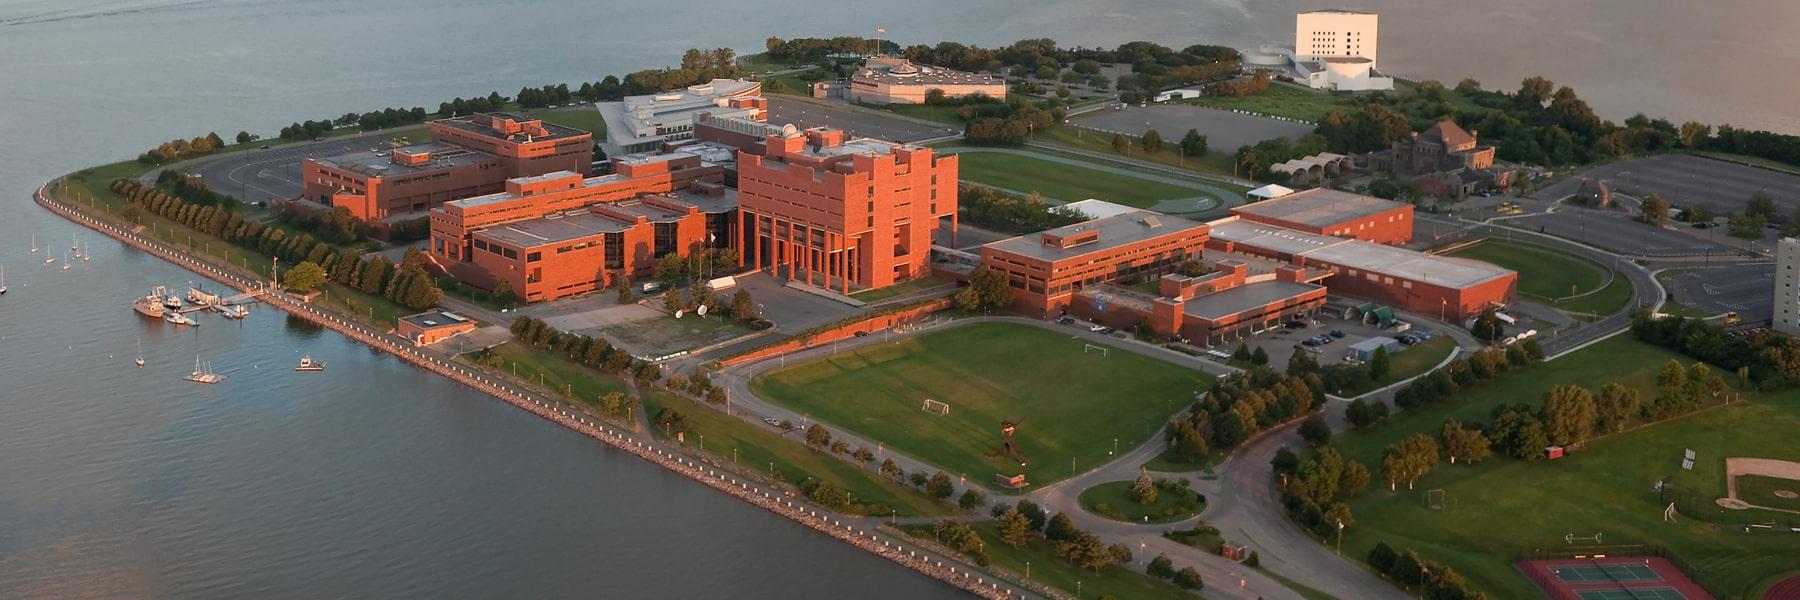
[
  {"x": 1336, "y": 33},
  {"x": 644, "y": 123},
  {"x": 1787, "y": 286}
]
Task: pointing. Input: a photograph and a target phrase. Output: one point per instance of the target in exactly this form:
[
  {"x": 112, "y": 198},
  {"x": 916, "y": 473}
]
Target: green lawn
[
  {"x": 988, "y": 373},
  {"x": 796, "y": 84},
  {"x": 567, "y": 378},
  {"x": 1283, "y": 101},
  {"x": 1765, "y": 491},
  {"x": 1504, "y": 505},
  {"x": 949, "y": 115},
  {"x": 1065, "y": 182},
  {"x": 1166, "y": 462},
  {"x": 1117, "y": 581},
  {"x": 666, "y": 335},
  {"x": 1113, "y": 500},
  {"x": 910, "y": 287},
  {"x": 1410, "y": 361},
  {"x": 1547, "y": 275},
  {"x": 580, "y": 116},
  {"x": 1216, "y": 161},
  {"x": 767, "y": 450}
]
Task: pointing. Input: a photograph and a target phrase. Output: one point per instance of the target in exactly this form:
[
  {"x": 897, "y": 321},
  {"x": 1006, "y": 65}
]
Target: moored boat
[{"x": 308, "y": 364}]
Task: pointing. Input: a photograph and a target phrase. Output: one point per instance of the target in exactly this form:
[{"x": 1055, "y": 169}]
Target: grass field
[
  {"x": 1117, "y": 581},
  {"x": 567, "y": 378},
  {"x": 1410, "y": 361},
  {"x": 1546, "y": 275},
  {"x": 581, "y": 116},
  {"x": 767, "y": 450},
  {"x": 1065, "y": 182},
  {"x": 1283, "y": 101},
  {"x": 1113, "y": 500},
  {"x": 1765, "y": 492},
  {"x": 1503, "y": 505},
  {"x": 988, "y": 373},
  {"x": 1214, "y": 162},
  {"x": 910, "y": 287},
  {"x": 949, "y": 115},
  {"x": 666, "y": 335}
]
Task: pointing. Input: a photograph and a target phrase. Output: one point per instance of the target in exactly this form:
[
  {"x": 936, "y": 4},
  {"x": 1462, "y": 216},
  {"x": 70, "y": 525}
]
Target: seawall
[{"x": 551, "y": 410}]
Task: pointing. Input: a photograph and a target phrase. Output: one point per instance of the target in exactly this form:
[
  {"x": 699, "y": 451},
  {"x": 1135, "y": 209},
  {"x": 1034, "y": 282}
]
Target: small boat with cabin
[
  {"x": 178, "y": 319},
  {"x": 149, "y": 306},
  {"x": 308, "y": 364}
]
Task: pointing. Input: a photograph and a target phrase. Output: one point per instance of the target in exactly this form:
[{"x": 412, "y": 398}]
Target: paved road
[
  {"x": 1746, "y": 288},
  {"x": 1225, "y": 131},
  {"x": 258, "y": 175},
  {"x": 856, "y": 121},
  {"x": 1215, "y": 197}
]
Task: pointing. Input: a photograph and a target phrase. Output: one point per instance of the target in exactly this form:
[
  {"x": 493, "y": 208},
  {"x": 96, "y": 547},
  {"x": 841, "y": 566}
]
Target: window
[{"x": 534, "y": 257}]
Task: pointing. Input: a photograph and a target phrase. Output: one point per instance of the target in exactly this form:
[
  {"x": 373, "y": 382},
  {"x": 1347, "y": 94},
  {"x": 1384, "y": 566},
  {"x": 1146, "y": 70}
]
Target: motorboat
[
  {"x": 149, "y": 306},
  {"x": 308, "y": 364},
  {"x": 176, "y": 318}
]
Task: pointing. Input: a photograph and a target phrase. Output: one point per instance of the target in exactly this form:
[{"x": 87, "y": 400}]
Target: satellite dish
[
  {"x": 679, "y": 313},
  {"x": 789, "y": 130},
  {"x": 700, "y": 311}
]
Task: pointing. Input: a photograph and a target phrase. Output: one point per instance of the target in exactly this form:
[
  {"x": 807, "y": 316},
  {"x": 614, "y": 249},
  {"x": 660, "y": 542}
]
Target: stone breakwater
[{"x": 774, "y": 501}]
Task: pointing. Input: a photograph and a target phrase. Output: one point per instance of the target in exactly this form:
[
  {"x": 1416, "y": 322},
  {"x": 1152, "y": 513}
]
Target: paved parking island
[{"x": 1225, "y": 131}]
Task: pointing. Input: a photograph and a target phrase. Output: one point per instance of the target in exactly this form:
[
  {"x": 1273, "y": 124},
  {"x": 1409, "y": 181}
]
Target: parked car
[
  {"x": 1337, "y": 334},
  {"x": 1066, "y": 320},
  {"x": 1310, "y": 342},
  {"x": 1296, "y": 324},
  {"x": 1096, "y": 328}
]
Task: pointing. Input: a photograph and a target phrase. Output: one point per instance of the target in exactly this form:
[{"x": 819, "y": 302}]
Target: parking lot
[
  {"x": 1613, "y": 230},
  {"x": 1687, "y": 180},
  {"x": 258, "y": 175},
  {"x": 1746, "y": 288},
  {"x": 1225, "y": 131},
  {"x": 854, "y": 121}
]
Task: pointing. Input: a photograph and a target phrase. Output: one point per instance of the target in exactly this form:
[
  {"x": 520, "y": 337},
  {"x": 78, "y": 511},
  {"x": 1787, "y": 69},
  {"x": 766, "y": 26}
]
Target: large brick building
[
  {"x": 1332, "y": 212},
  {"x": 841, "y": 213},
  {"x": 469, "y": 156},
  {"x": 559, "y": 234},
  {"x": 1208, "y": 309},
  {"x": 894, "y": 80},
  {"x": 1048, "y": 268}
]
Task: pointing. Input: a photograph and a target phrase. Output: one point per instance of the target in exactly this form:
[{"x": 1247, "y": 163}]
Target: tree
[
  {"x": 503, "y": 290},
  {"x": 939, "y": 486},
  {"x": 1015, "y": 528},
  {"x": 1314, "y": 430},
  {"x": 817, "y": 436},
  {"x": 1086, "y": 551},
  {"x": 1569, "y": 414},
  {"x": 890, "y": 469},
  {"x": 1161, "y": 567},
  {"x": 1259, "y": 357},
  {"x": 305, "y": 276},
  {"x": 1285, "y": 461},
  {"x": 1242, "y": 353},
  {"x": 1746, "y": 226},
  {"x": 1614, "y": 407},
  {"x": 1465, "y": 443},
  {"x": 1120, "y": 144},
  {"x": 245, "y": 137},
  {"x": 1143, "y": 491},
  {"x": 1060, "y": 528},
  {"x": 970, "y": 499},
  {"x": 743, "y": 308},
  {"x": 624, "y": 290},
  {"x": 1193, "y": 144},
  {"x": 862, "y": 454},
  {"x": 987, "y": 290},
  {"x": 1699, "y": 214},
  {"x": 1152, "y": 140},
  {"x": 1380, "y": 364},
  {"x": 1487, "y": 326},
  {"x": 1362, "y": 413},
  {"x": 1188, "y": 579},
  {"x": 1036, "y": 513}
]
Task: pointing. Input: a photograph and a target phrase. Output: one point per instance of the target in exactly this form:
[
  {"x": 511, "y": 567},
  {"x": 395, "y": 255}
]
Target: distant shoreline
[{"x": 773, "y": 501}]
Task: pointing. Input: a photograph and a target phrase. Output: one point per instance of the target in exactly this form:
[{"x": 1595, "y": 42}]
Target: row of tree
[
  {"x": 1318, "y": 489},
  {"x": 192, "y": 189},
  {"x": 178, "y": 149},
  {"x": 1239, "y": 407},
  {"x": 1467, "y": 372},
  {"x": 1437, "y": 581},
  {"x": 1767, "y": 360},
  {"x": 595, "y": 353},
  {"x": 992, "y": 209}
]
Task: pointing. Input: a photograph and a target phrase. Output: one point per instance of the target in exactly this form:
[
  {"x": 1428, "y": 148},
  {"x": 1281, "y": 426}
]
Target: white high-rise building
[
  {"x": 1787, "y": 286},
  {"x": 1336, "y": 34}
]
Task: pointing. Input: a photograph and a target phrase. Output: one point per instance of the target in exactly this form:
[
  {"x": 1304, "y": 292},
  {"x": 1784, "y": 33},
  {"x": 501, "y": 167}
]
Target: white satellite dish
[
  {"x": 679, "y": 313},
  {"x": 701, "y": 311}
]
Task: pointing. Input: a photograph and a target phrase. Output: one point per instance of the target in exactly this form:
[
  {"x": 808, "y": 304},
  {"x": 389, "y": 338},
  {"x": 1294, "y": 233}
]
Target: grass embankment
[
  {"x": 1552, "y": 277},
  {"x": 767, "y": 450},
  {"x": 1213, "y": 162},
  {"x": 580, "y": 116},
  {"x": 1113, "y": 500},
  {"x": 569, "y": 379},
  {"x": 1288, "y": 101},
  {"x": 1495, "y": 509},
  {"x": 1065, "y": 182},
  {"x": 989, "y": 373},
  {"x": 1117, "y": 581},
  {"x": 91, "y": 188},
  {"x": 910, "y": 287},
  {"x": 1410, "y": 361}
]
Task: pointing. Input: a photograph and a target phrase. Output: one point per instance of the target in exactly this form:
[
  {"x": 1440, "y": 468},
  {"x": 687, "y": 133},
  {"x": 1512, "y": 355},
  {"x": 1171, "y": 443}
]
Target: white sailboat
[
  {"x": 65, "y": 261},
  {"x": 34, "y": 243},
  {"x": 203, "y": 373},
  {"x": 2, "y": 279},
  {"x": 140, "y": 356},
  {"x": 86, "y": 252},
  {"x": 74, "y": 244}
]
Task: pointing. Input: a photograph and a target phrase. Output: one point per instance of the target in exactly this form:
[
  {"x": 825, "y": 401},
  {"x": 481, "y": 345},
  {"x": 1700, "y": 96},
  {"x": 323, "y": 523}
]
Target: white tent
[{"x": 1269, "y": 192}]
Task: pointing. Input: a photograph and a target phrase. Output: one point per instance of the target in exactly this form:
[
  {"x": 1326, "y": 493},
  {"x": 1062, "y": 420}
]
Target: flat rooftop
[
  {"x": 1114, "y": 231},
  {"x": 1318, "y": 207},
  {"x": 369, "y": 164},
  {"x": 1443, "y": 271},
  {"x": 561, "y": 227},
  {"x": 706, "y": 203},
  {"x": 916, "y": 74},
  {"x": 435, "y": 318},
  {"x": 478, "y": 124},
  {"x": 1280, "y": 240},
  {"x": 1244, "y": 298}
]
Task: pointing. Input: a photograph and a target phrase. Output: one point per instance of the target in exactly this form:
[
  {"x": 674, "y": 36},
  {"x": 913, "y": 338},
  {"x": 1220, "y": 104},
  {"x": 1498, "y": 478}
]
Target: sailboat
[
  {"x": 86, "y": 252},
  {"x": 2, "y": 280},
  {"x": 34, "y": 243},
  {"x": 140, "y": 356},
  {"x": 65, "y": 261},
  {"x": 203, "y": 373},
  {"x": 73, "y": 243}
]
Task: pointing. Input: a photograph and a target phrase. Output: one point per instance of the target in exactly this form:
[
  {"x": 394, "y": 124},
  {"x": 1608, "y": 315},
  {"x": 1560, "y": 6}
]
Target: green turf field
[
  {"x": 1766, "y": 492},
  {"x": 1502, "y": 506},
  {"x": 1546, "y": 275},
  {"x": 580, "y": 116},
  {"x": 1283, "y": 101},
  {"x": 1073, "y": 404},
  {"x": 1065, "y": 182}
]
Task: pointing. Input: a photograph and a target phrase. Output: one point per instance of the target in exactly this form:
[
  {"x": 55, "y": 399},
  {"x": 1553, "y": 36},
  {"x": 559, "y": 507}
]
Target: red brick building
[
  {"x": 1048, "y": 268},
  {"x": 432, "y": 326},
  {"x": 842, "y": 214},
  {"x": 1446, "y": 287},
  {"x": 470, "y": 156},
  {"x": 559, "y": 234},
  {"x": 1208, "y": 309},
  {"x": 1336, "y": 213}
]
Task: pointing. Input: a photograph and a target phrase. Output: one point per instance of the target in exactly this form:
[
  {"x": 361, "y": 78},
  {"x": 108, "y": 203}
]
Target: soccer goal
[
  {"x": 933, "y": 406},
  {"x": 1092, "y": 349},
  {"x": 1434, "y": 499}
]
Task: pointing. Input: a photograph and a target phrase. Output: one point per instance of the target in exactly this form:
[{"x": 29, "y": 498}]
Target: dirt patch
[{"x": 1736, "y": 467}]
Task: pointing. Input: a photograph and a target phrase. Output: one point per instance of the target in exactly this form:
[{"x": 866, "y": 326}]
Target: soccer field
[{"x": 1071, "y": 404}]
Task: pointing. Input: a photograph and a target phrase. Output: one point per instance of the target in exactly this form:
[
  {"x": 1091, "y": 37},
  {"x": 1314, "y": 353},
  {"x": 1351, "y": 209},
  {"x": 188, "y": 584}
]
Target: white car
[{"x": 1096, "y": 328}]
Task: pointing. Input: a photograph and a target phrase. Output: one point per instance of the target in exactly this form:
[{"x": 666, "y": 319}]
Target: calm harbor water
[{"x": 379, "y": 480}]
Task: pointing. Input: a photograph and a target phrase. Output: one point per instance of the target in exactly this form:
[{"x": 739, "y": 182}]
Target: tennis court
[
  {"x": 1605, "y": 572},
  {"x": 1661, "y": 593}
]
